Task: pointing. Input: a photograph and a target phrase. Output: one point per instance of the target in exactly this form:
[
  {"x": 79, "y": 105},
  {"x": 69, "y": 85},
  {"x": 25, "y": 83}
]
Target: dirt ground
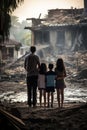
[{"x": 71, "y": 117}]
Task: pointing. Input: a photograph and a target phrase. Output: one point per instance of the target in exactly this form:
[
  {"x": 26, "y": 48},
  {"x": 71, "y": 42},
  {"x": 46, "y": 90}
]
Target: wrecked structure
[
  {"x": 9, "y": 50},
  {"x": 63, "y": 30}
]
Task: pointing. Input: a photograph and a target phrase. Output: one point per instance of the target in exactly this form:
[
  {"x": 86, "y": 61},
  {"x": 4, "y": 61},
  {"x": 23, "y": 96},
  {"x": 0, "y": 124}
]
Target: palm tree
[{"x": 6, "y": 8}]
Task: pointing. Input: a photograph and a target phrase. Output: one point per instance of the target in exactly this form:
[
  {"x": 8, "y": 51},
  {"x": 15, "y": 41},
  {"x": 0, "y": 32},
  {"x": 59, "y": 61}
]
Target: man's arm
[
  {"x": 38, "y": 63},
  {"x": 25, "y": 63}
]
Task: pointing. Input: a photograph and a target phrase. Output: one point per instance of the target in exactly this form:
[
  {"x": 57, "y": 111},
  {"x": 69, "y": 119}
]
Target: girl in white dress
[{"x": 41, "y": 83}]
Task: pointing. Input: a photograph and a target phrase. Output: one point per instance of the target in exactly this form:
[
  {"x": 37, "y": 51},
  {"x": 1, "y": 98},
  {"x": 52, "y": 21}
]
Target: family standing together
[{"x": 46, "y": 78}]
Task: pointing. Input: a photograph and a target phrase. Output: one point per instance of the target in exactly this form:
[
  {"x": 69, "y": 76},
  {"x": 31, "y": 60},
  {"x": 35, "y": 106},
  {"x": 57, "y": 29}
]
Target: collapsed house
[
  {"x": 9, "y": 50},
  {"x": 63, "y": 30}
]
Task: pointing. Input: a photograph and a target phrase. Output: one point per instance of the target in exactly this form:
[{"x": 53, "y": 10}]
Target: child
[
  {"x": 41, "y": 83},
  {"x": 50, "y": 84},
  {"x": 60, "y": 84}
]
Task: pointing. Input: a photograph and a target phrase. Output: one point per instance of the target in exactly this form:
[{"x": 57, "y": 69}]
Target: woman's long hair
[
  {"x": 43, "y": 68},
  {"x": 60, "y": 65}
]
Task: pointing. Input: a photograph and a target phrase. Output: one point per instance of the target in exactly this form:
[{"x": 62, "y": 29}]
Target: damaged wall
[
  {"x": 64, "y": 30},
  {"x": 65, "y": 39}
]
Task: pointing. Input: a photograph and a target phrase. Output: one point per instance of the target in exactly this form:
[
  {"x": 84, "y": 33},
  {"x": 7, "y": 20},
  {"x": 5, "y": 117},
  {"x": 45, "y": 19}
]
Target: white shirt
[{"x": 41, "y": 81}]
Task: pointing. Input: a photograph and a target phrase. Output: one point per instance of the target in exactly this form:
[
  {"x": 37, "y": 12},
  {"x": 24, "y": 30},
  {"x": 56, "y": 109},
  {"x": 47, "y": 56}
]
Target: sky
[{"x": 32, "y": 8}]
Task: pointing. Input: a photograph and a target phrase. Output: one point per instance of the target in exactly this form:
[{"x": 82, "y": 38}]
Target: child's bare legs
[
  {"x": 40, "y": 97},
  {"x": 48, "y": 97},
  {"x": 62, "y": 97},
  {"x": 52, "y": 97},
  {"x": 60, "y": 92},
  {"x": 58, "y": 97},
  {"x": 44, "y": 98}
]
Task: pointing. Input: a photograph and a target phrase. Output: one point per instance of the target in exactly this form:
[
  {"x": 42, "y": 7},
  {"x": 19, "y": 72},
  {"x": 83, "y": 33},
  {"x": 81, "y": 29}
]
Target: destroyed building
[
  {"x": 63, "y": 30},
  {"x": 9, "y": 50}
]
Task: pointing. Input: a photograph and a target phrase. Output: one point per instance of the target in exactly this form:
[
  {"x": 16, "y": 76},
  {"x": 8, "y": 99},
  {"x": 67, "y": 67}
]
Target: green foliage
[
  {"x": 17, "y": 47},
  {"x": 9, "y": 5},
  {"x": 18, "y": 32},
  {"x": 26, "y": 40},
  {"x": 6, "y": 8},
  {"x": 5, "y": 24}
]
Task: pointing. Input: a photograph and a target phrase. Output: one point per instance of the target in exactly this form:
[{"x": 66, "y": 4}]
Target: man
[{"x": 31, "y": 65}]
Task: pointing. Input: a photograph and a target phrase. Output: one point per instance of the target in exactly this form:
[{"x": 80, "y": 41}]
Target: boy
[{"x": 50, "y": 84}]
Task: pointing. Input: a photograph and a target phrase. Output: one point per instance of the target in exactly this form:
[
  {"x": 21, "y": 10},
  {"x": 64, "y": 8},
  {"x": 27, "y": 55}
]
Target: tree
[
  {"x": 6, "y": 8},
  {"x": 18, "y": 32}
]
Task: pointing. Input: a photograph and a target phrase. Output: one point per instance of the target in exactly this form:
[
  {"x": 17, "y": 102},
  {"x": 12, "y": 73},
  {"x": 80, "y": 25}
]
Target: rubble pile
[
  {"x": 14, "y": 71},
  {"x": 76, "y": 66},
  {"x": 64, "y": 16}
]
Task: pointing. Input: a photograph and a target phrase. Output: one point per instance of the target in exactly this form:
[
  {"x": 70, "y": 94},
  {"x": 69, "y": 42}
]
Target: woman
[{"x": 60, "y": 84}]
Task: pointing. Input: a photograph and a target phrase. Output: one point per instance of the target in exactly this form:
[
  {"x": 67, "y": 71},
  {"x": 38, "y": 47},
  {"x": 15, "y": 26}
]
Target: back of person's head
[
  {"x": 32, "y": 49},
  {"x": 60, "y": 64},
  {"x": 50, "y": 66},
  {"x": 43, "y": 68}
]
